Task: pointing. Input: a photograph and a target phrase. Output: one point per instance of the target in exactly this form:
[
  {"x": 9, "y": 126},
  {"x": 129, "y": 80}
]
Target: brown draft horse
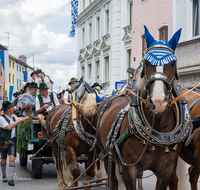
[
  {"x": 161, "y": 164},
  {"x": 191, "y": 154},
  {"x": 74, "y": 146}
]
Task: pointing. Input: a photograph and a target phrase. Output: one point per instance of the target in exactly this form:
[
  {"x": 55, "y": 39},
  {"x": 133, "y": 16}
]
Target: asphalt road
[{"x": 25, "y": 181}]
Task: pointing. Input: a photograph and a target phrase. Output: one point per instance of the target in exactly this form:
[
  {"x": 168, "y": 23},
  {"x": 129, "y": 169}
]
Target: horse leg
[
  {"x": 129, "y": 176},
  {"x": 90, "y": 172},
  {"x": 194, "y": 175},
  {"x": 165, "y": 177},
  {"x": 174, "y": 183},
  {"x": 61, "y": 183},
  {"x": 139, "y": 177},
  {"x": 75, "y": 170}
]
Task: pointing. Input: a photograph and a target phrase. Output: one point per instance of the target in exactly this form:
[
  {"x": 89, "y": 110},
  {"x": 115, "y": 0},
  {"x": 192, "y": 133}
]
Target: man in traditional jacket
[
  {"x": 72, "y": 83},
  {"x": 45, "y": 101},
  {"x": 28, "y": 99},
  {"x": 8, "y": 122}
]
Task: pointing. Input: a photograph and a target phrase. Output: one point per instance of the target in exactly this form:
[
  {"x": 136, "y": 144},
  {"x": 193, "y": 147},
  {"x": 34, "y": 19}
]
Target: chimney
[{"x": 22, "y": 58}]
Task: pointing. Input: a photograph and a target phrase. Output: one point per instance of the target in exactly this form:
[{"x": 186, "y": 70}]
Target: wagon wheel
[
  {"x": 37, "y": 167},
  {"x": 23, "y": 160}
]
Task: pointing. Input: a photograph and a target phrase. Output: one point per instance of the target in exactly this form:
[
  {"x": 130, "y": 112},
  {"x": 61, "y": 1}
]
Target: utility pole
[{"x": 33, "y": 60}]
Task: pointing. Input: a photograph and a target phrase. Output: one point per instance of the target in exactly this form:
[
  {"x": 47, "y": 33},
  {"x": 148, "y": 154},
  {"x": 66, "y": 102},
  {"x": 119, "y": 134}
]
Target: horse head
[
  {"x": 158, "y": 71},
  {"x": 84, "y": 94}
]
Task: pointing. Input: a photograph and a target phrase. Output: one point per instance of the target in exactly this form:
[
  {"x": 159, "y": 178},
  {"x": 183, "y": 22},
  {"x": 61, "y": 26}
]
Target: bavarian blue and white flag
[
  {"x": 4, "y": 61},
  {"x": 74, "y": 15}
]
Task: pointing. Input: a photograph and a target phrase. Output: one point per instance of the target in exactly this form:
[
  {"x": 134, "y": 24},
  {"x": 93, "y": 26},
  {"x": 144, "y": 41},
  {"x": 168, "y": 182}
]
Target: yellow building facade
[{"x": 11, "y": 80}]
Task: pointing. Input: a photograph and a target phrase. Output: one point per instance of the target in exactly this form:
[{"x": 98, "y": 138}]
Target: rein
[{"x": 183, "y": 95}]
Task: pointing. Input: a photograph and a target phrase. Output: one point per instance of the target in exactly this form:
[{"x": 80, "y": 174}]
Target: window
[
  {"x": 13, "y": 64},
  {"x": 90, "y": 71},
  {"x": 163, "y": 34},
  {"x": 83, "y": 71},
  {"x": 17, "y": 67},
  {"x": 9, "y": 77},
  {"x": 17, "y": 82},
  {"x": 83, "y": 4},
  {"x": 83, "y": 37},
  {"x": 22, "y": 69},
  {"x": 106, "y": 69},
  {"x": 97, "y": 70},
  {"x": 196, "y": 18},
  {"x": 90, "y": 33},
  {"x": 98, "y": 27},
  {"x": 128, "y": 60},
  {"x": 13, "y": 79},
  {"x": 107, "y": 21},
  {"x": 131, "y": 13},
  {"x": 144, "y": 45},
  {"x": 20, "y": 84},
  {"x": 9, "y": 63}
]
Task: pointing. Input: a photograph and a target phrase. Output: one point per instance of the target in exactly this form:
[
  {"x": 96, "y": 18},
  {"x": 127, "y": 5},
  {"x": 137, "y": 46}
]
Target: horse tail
[
  {"x": 121, "y": 185},
  {"x": 101, "y": 172},
  {"x": 66, "y": 169},
  {"x": 181, "y": 171}
]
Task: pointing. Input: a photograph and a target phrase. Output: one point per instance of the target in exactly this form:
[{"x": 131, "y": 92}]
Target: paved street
[{"x": 49, "y": 181}]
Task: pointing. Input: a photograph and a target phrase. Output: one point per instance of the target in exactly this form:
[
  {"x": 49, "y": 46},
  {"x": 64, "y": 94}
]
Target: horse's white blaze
[
  {"x": 121, "y": 185},
  {"x": 158, "y": 97}
]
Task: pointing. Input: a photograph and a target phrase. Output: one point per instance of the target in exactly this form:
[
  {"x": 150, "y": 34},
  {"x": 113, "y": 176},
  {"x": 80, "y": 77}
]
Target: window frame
[
  {"x": 83, "y": 37},
  {"x": 144, "y": 45},
  {"x": 166, "y": 34},
  {"x": 9, "y": 77},
  {"x": 196, "y": 18},
  {"x": 83, "y": 71},
  {"x": 107, "y": 69},
  {"x": 13, "y": 79},
  {"x": 107, "y": 21},
  {"x": 90, "y": 33}
]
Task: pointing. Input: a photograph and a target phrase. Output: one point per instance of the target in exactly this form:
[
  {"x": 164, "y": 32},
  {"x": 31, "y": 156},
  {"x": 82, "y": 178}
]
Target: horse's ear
[
  {"x": 174, "y": 40},
  {"x": 149, "y": 38}
]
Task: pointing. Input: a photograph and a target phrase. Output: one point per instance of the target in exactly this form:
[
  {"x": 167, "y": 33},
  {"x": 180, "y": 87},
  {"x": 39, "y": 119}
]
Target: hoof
[{"x": 62, "y": 187}]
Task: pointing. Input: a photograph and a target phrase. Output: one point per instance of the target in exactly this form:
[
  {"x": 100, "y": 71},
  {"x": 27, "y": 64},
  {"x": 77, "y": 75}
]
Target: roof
[
  {"x": 3, "y": 47},
  {"x": 12, "y": 57}
]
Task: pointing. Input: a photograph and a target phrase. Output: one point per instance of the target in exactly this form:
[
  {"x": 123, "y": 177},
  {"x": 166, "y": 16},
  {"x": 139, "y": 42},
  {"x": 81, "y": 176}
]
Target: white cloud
[{"x": 25, "y": 21}]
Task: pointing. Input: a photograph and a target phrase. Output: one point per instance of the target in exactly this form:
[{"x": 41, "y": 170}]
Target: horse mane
[
  {"x": 140, "y": 82},
  {"x": 88, "y": 99}
]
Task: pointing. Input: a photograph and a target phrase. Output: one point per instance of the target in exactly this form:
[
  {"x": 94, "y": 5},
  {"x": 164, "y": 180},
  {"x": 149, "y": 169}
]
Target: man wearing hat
[
  {"x": 8, "y": 122},
  {"x": 72, "y": 83},
  {"x": 34, "y": 75},
  {"x": 97, "y": 87},
  {"x": 45, "y": 101},
  {"x": 28, "y": 99}
]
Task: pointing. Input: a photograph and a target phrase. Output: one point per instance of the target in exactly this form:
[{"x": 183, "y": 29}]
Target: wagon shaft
[{"x": 86, "y": 186}]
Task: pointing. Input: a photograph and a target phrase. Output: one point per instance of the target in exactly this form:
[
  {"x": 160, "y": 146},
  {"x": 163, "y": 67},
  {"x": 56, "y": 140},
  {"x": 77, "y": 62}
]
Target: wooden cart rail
[{"x": 89, "y": 184}]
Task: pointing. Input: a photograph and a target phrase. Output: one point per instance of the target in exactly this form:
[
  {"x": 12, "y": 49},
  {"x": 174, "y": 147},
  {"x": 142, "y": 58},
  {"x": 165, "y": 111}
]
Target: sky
[{"x": 40, "y": 29}]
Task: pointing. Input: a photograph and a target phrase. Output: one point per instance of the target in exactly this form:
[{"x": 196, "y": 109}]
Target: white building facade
[
  {"x": 104, "y": 32},
  {"x": 187, "y": 16}
]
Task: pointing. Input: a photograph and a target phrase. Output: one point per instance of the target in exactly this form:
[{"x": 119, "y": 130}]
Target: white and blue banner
[
  {"x": 25, "y": 76},
  {"x": 4, "y": 61},
  {"x": 74, "y": 15},
  {"x": 11, "y": 89}
]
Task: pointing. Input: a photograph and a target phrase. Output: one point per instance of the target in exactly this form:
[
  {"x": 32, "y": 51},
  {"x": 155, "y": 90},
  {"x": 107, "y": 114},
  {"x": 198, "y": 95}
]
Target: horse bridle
[{"x": 158, "y": 76}]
